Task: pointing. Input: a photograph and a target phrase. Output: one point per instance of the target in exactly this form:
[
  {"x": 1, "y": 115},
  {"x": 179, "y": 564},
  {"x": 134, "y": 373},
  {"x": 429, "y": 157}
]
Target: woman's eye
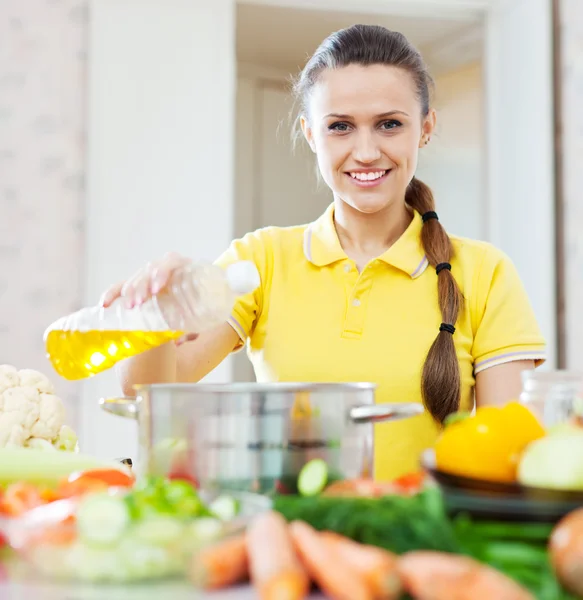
[
  {"x": 391, "y": 124},
  {"x": 339, "y": 126}
]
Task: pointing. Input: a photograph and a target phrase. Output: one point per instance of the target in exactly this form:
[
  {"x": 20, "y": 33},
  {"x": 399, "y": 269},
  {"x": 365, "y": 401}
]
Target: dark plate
[{"x": 501, "y": 501}]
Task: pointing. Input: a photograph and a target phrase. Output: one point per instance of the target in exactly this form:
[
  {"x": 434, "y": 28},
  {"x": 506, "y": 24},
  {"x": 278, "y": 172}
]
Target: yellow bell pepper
[{"x": 488, "y": 444}]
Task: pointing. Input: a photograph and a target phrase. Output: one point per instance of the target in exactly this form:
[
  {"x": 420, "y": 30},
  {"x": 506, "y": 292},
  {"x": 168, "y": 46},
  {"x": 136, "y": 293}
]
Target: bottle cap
[{"x": 243, "y": 277}]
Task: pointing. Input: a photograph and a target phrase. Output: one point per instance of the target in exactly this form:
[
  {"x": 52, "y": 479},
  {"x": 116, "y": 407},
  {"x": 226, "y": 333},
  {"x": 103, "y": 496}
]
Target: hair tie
[
  {"x": 430, "y": 214},
  {"x": 441, "y": 266},
  {"x": 447, "y": 327}
]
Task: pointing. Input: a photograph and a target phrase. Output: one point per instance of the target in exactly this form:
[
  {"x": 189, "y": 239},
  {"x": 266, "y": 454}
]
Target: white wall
[
  {"x": 453, "y": 163},
  {"x": 520, "y": 163},
  {"x": 161, "y": 108},
  {"x": 571, "y": 72},
  {"x": 42, "y": 176}
]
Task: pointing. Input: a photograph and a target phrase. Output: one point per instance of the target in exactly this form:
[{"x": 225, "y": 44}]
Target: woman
[{"x": 375, "y": 289}]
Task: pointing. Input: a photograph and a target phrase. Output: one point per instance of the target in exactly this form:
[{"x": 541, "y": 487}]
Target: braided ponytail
[{"x": 440, "y": 382}]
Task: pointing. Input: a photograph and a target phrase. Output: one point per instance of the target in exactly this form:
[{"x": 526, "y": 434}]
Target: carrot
[
  {"x": 376, "y": 566},
  {"x": 429, "y": 575},
  {"x": 335, "y": 576},
  {"x": 566, "y": 551},
  {"x": 275, "y": 569},
  {"x": 221, "y": 564}
]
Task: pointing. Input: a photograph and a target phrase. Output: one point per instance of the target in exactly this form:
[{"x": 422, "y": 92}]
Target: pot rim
[{"x": 263, "y": 388}]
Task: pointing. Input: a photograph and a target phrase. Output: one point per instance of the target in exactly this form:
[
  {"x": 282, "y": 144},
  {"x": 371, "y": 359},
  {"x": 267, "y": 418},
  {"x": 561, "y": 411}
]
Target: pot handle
[
  {"x": 377, "y": 413},
  {"x": 121, "y": 407}
]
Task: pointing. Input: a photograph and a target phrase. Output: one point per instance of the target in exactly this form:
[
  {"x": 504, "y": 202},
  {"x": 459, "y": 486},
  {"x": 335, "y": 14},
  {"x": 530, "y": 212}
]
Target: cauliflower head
[{"x": 31, "y": 414}]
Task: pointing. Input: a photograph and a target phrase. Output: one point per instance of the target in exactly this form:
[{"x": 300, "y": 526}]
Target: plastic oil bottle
[{"x": 197, "y": 298}]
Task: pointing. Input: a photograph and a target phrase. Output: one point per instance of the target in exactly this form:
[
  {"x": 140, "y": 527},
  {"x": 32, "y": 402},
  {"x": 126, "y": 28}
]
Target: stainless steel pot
[{"x": 255, "y": 436}]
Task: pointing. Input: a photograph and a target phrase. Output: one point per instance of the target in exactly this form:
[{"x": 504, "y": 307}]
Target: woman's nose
[{"x": 366, "y": 149}]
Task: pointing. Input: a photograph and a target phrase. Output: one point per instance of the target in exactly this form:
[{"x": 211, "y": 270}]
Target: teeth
[{"x": 367, "y": 176}]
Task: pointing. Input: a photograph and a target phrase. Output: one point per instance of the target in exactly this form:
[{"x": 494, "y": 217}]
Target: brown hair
[{"x": 372, "y": 45}]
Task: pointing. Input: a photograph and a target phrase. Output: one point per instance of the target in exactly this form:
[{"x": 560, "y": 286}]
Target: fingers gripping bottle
[{"x": 196, "y": 299}]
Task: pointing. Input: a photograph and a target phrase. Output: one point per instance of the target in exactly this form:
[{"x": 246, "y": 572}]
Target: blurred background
[{"x": 132, "y": 127}]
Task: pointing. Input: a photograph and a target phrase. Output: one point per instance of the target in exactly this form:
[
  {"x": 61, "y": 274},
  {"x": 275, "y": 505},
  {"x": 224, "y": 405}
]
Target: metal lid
[{"x": 261, "y": 388}]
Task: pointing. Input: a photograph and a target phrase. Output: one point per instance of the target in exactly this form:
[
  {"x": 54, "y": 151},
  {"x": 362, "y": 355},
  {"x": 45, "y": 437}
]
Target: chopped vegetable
[
  {"x": 313, "y": 477},
  {"x": 377, "y": 567},
  {"x": 221, "y": 564},
  {"x": 335, "y": 576},
  {"x": 407, "y": 485},
  {"x": 59, "y": 534},
  {"x": 111, "y": 477},
  {"x": 224, "y": 507},
  {"x": 20, "y": 497},
  {"x": 488, "y": 445},
  {"x": 156, "y": 495},
  {"x": 80, "y": 487},
  {"x": 102, "y": 519},
  {"x": 158, "y": 531},
  {"x": 129, "y": 533},
  {"x": 205, "y": 529},
  {"x": 275, "y": 570},
  {"x": 440, "y": 576},
  {"x": 183, "y": 498}
]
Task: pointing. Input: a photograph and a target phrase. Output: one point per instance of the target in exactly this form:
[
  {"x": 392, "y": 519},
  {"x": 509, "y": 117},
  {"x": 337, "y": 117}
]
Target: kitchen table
[{"x": 174, "y": 591}]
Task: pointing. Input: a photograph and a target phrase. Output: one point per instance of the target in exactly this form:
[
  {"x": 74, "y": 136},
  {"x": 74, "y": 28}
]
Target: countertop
[
  {"x": 177, "y": 591},
  {"x": 18, "y": 583}
]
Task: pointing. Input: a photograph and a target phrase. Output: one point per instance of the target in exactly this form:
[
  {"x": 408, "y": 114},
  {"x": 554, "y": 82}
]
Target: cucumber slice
[
  {"x": 313, "y": 477},
  {"x": 102, "y": 519},
  {"x": 205, "y": 529},
  {"x": 158, "y": 531},
  {"x": 225, "y": 507}
]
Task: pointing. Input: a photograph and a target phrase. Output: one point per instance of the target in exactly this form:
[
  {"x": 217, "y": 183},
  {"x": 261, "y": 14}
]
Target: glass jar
[{"x": 554, "y": 396}]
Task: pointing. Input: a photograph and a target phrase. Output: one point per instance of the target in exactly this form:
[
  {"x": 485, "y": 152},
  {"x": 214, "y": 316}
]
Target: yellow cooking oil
[{"x": 81, "y": 354}]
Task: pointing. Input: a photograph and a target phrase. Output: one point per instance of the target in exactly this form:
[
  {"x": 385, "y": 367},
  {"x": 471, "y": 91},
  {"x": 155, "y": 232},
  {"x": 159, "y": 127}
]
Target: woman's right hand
[{"x": 146, "y": 282}]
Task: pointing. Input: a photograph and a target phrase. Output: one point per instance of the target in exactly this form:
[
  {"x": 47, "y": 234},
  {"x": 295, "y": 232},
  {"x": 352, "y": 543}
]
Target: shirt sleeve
[
  {"x": 504, "y": 322},
  {"x": 248, "y": 307}
]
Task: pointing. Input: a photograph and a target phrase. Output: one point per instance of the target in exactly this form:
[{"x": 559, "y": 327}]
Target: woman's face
[{"x": 365, "y": 126}]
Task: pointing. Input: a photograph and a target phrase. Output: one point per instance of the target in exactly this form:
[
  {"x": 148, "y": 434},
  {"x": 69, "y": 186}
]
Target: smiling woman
[{"x": 375, "y": 289}]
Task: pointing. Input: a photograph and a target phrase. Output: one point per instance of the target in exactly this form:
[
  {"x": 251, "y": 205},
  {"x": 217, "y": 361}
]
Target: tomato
[
  {"x": 48, "y": 495},
  {"x": 20, "y": 497},
  {"x": 111, "y": 477},
  {"x": 56, "y": 534},
  {"x": 94, "y": 480},
  {"x": 80, "y": 487},
  {"x": 410, "y": 483}
]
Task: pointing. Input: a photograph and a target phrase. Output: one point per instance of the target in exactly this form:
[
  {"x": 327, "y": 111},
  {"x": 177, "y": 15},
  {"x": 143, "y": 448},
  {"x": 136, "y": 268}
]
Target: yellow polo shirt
[{"x": 315, "y": 318}]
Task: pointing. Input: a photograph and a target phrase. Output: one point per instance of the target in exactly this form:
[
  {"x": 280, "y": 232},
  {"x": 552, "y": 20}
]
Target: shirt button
[
  {"x": 356, "y": 302},
  {"x": 347, "y": 268}
]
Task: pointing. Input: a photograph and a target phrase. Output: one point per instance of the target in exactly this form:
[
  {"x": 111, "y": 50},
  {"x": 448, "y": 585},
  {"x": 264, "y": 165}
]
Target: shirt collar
[{"x": 322, "y": 246}]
